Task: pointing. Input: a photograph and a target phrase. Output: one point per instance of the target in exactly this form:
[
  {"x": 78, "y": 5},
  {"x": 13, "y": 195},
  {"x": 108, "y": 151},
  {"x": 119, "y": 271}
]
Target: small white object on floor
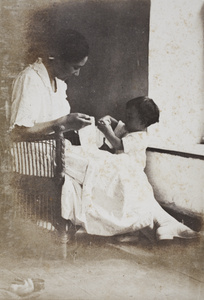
[
  {"x": 129, "y": 238},
  {"x": 46, "y": 225},
  {"x": 23, "y": 289}
]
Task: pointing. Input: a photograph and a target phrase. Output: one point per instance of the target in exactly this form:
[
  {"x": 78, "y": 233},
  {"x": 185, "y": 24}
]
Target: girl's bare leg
[{"x": 168, "y": 227}]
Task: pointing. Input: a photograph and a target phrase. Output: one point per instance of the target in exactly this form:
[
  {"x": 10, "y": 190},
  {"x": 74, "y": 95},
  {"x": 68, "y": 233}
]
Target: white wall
[
  {"x": 176, "y": 83},
  {"x": 177, "y": 180},
  {"x": 176, "y": 69}
]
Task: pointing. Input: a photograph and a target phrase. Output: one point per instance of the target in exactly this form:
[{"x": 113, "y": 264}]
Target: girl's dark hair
[{"x": 147, "y": 108}]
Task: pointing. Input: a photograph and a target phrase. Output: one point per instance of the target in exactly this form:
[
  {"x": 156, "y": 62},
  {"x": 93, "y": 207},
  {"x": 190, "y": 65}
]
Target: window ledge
[{"x": 189, "y": 151}]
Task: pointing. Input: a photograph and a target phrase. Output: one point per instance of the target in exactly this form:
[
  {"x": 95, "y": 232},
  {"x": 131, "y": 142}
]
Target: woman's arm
[
  {"x": 110, "y": 135},
  {"x": 72, "y": 121},
  {"x": 29, "y": 99}
]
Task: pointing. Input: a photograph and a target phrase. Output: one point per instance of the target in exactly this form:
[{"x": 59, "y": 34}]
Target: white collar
[{"x": 40, "y": 68}]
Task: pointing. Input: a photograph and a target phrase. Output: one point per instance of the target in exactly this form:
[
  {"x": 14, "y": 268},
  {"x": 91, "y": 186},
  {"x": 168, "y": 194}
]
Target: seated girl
[
  {"x": 141, "y": 112},
  {"x": 113, "y": 193}
]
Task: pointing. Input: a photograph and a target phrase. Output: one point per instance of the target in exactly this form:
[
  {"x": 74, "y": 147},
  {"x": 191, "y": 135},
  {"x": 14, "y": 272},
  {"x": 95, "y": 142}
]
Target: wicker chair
[{"x": 36, "y": 176}]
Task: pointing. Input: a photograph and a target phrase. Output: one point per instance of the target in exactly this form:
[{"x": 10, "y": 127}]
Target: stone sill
[{"x": 188, "y": 151}]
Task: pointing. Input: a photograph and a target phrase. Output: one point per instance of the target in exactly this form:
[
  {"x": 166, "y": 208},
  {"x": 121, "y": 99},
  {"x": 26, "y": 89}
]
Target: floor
[{"x": 99, "y": 268}]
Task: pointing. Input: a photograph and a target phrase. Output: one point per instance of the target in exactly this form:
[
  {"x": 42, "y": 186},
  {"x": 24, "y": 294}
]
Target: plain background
[{"x": 118, "y": 33}]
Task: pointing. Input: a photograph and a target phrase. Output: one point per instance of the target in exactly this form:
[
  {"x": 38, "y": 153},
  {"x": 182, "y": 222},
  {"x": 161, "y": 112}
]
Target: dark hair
[
  {"x": 69, "y": 45},
  {"x": 45, "y": 37},
  {"x": 147, "y": 108}
]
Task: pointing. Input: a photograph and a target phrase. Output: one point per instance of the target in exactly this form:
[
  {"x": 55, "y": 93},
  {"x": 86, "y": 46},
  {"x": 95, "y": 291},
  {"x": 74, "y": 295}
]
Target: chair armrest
[
  {"x": 39, "y": 155},
  {"x": 18, "y": 137}
]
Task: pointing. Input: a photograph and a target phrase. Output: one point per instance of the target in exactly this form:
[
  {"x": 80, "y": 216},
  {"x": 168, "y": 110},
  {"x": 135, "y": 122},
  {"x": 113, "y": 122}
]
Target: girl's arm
[{"x": 110, "y": 135}]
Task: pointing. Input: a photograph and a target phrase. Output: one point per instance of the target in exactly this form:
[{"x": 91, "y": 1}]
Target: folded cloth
[
  {"x": 77, "y": 157},
  {"x": 75, "y": 163},
  {"x": 87, "y": 136}
]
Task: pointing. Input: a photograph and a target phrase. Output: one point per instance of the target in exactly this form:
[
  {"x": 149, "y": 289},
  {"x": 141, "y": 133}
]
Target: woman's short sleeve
[{"x": 26, "y": 99}]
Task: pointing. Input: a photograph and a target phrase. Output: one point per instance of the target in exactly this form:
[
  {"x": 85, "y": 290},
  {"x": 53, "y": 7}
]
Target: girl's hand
[
  {"x": 104, "y": 126},
  {"x": 107, "y": 130},
  {"x": 105, "y": 120},
  {"x": 108, "y": 120}
]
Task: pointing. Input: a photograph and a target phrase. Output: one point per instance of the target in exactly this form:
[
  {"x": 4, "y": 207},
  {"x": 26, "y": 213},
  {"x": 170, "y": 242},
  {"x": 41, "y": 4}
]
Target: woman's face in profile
[{"x": 64, "y": 70}]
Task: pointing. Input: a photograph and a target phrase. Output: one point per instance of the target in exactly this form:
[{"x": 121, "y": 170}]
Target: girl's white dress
[{"x": 111, "y": 193}]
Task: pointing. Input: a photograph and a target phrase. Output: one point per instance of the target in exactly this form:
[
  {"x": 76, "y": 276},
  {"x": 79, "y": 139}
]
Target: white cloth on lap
[
  {"x": 115, "y": 193},
  {"x": 90, "y": 136},
  {"x": 75, "y": 163}
]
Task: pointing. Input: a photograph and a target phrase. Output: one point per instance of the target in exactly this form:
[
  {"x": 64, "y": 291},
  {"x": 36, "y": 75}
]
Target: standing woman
[{"x": 39, "y": 91}]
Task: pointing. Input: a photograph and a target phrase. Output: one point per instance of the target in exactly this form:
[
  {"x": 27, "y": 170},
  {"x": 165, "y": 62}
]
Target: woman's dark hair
[
  {"x": 147, "y": 108},
  {"x": 45, "y": 37},
  {"x": 69, "y": 45}
]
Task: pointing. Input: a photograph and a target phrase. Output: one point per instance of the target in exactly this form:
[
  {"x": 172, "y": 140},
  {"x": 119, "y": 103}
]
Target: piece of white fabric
[
  {"x": 75, "y": 163},
  {"x": 87, "y": 136},
  {"x": 115, "y": 193},
  {"x": 120, "y": 131}
]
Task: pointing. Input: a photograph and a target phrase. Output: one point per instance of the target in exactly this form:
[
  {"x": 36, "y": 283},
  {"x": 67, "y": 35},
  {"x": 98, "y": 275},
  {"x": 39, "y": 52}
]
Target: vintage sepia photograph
[{"x": 102, "y": 149}]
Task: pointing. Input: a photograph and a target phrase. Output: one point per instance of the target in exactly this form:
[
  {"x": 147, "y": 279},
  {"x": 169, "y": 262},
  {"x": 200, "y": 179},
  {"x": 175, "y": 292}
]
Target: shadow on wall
[
  {"x": 202, "y": 19},
  {"x": 118, "y": 33}
]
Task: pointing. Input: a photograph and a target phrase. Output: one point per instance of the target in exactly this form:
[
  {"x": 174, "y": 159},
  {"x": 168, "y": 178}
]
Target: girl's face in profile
[
  {"x": 64, "y": 70},
  {"x": 133, "y": 121}
]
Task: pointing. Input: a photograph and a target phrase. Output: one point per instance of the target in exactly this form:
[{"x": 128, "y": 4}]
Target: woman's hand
[{"x": 75, "y": 121}]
